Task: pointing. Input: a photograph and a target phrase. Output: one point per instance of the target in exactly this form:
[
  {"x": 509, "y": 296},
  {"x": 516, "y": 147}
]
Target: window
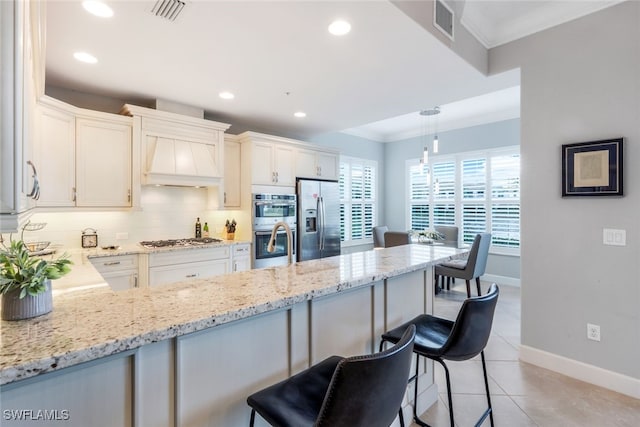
[
  {"x": 479, "y": 190},
  {"x": 357, "y": 199}
]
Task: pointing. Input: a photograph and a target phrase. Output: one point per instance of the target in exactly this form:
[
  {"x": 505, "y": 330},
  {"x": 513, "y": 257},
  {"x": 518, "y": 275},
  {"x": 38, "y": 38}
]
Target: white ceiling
[{"x": 278, "y": 58}]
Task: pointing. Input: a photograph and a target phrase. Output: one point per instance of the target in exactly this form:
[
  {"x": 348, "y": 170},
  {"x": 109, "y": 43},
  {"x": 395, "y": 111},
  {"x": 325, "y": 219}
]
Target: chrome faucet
[{"x": 271, "y": 247}]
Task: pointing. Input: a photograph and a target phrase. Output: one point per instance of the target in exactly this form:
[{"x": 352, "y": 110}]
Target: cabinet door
[
  {"x": 284, "y": 157},
  {"x": 121, "y": 280},
  {"x": 231, "y": 174},
  {"x": 241, "y": 264},
  {"x": 327, "y": 164},
  {"x": 54, "y": 156},
  {"x": 262, "y": 164},
  {"x": 103, "y": 171},
  {"x": 306, "y": 164}
]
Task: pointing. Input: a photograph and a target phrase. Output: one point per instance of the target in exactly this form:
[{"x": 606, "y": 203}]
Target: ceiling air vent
[
  {"x": 168, "y": 9},
  {"x": 443, "y": 18}
]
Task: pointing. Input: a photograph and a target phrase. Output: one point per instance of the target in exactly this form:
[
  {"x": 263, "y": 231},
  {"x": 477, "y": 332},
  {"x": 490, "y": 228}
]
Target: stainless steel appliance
[
  {"x": 268, "y": 210},
  {"x": 319, "y": 219}
]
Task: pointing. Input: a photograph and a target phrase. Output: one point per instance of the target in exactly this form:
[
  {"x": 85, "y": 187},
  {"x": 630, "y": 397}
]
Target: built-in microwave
[{"x": 268, "y": 209}]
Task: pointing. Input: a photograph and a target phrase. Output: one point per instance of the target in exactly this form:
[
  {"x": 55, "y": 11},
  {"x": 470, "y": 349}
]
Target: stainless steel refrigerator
[{"x": 318, "y": 219}]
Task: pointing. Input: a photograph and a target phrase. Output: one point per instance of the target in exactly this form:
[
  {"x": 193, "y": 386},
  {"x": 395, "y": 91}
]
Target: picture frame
[{"x": 593, "y": 168}]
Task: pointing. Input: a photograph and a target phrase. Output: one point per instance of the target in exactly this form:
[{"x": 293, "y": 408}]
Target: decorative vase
[
  {"x": 231, "y": 236},
  {"x": 15, "y": 308}
]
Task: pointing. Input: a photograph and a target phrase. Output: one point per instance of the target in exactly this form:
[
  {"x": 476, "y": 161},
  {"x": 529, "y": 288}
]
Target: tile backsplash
[{"x": 167, "y": 213}]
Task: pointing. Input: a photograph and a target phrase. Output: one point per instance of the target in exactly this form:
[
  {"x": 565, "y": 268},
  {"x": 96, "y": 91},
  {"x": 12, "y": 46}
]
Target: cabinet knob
[
  {"x": 112, "y": 263},
  {"x": 191, "y": 275}
]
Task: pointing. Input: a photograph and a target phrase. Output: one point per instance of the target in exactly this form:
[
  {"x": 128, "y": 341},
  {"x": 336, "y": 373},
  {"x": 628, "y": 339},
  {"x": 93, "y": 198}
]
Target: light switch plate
[{"x": 614, "y": 237}]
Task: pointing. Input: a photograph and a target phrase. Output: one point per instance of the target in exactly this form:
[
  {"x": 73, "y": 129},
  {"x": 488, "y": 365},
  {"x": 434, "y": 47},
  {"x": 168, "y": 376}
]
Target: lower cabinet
[
  {"x": 241, "y": 258},
  {"x": 189, "y": 264},
  {"x": 119, "y": 271}
]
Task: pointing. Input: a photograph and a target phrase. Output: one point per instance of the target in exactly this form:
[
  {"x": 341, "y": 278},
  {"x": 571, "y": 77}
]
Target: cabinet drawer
[
  {"x": 107, "y": 264},
  {"x": 187, "y": 256},
  {"x": 241, "y": 250},
  {"x": 193, "y": 270}
]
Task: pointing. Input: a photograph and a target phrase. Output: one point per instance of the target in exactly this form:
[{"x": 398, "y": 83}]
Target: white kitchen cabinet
[
  {"x": 231, "y": 172},
  {"x": 272, "y": 164},
  {"x": 241, "y": 258},
  {"x": 316, "y": 164},
  {"x": 103, "y": 165},
  {"x": 179, "y": 265},
  {"x": 54, "y": 153},
  {"x": 84, "y": 158},
  {"x": 119, "y": 271},
  {"x": 21, "y": 83}
]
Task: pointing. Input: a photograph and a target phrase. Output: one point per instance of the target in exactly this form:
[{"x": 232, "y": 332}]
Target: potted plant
[{"x": 25, "y": 281}]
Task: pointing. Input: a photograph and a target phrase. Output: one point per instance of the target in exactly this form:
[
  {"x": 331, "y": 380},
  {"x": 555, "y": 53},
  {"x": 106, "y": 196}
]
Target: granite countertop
[{"x": 93, "y": 323}]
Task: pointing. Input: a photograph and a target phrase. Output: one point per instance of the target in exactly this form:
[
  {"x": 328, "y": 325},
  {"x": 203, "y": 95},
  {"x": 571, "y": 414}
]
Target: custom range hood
[{"x": 178, "y": 149}]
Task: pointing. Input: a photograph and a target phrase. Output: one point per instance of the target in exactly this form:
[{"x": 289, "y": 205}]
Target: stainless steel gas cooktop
[{"x": 179, "y": 242}]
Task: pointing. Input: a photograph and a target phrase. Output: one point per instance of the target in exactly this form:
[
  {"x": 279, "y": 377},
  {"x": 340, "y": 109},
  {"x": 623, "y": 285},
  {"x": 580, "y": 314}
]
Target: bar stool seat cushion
[{"x": 431, "y": 334}]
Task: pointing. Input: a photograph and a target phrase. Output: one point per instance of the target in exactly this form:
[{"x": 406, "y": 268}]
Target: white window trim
[
  {"x": 375, "y": 201},
  {"x": 458, "y": 158}
]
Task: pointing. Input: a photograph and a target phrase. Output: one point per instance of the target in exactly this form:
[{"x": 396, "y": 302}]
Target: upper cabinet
[
  {"x": 276, "y": 161},
  {"x": 272, "y": 163},
  {"x": 231, "y": 172},
  {"x": 22, "y": 82},
  {"x": 84, "y": 157},
  {"x": 103, "y": 163},
  {"x": 317, "y": 164}
]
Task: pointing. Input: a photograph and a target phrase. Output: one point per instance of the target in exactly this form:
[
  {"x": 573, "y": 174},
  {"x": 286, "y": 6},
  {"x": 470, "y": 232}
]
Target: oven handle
[{"x": 273, "y": 204}]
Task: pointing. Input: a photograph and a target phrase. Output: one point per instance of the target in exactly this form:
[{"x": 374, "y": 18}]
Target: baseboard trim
[
  {"x": 581, "y": 371},
  {"x": 501, "y": 280}
]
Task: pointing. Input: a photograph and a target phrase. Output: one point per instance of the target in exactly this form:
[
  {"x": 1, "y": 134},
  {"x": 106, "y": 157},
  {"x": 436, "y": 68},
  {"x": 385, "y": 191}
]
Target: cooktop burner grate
[{"x": 179, "y": 242}]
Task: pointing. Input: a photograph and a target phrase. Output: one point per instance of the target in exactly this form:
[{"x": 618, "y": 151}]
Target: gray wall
[
  {"x": 579, "y": 82},
  {"x": 494, "y": 135}
]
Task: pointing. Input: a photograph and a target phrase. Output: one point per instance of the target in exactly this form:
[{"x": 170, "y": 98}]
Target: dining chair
[
  {"x": 450, "y": 234},
  {"x": 396, "y": 238},
  {"x": 378, "y": 235},
  {"x": 470, "y": 268},
  {"x": 441, "y": 339},
  {"x": 359, "y": 391}
]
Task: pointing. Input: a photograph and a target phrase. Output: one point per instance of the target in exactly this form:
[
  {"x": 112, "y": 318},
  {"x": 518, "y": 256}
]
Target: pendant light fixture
[{"x": 426, "y": 113}]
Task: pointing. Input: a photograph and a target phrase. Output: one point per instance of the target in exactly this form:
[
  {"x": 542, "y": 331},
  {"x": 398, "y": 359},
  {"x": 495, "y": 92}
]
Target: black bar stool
[
  {"x": 364, "y": 391},
  {"x": 441, "y": 339}
]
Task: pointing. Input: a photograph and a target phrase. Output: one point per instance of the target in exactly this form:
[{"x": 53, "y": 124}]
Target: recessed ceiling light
[
  {"x": 97, "y": 8},
  {"x": 339, "y": 28},
  {"x": 226, "y": 95},
  {"x": 85, "y": 57},
  {"x": 300, "y": 114}
]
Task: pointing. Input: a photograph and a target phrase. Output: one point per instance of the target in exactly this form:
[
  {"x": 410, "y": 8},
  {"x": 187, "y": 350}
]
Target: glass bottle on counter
[
  {"x": 198, "y": 229},
  {"x": 205, "y": 230}
]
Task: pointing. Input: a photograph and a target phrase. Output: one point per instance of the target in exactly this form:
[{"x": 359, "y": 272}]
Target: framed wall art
[{"x": 592, "y": 168}]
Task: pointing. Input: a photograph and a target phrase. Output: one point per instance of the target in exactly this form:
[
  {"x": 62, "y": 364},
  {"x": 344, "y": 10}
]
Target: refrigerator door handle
[{"x": 322, "y": 224}]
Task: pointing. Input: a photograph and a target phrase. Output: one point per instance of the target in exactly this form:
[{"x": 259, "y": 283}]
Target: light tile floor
[{"x": 522, "y": 394}]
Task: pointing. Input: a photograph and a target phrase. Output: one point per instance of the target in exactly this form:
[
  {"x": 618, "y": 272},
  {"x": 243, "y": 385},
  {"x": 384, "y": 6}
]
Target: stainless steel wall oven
[{"x": 268, "y": 210}]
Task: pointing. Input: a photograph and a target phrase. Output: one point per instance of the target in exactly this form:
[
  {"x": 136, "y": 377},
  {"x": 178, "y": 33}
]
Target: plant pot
[
  {"x": 231, "y": 236},
  {"x": 14, "y": 308}
]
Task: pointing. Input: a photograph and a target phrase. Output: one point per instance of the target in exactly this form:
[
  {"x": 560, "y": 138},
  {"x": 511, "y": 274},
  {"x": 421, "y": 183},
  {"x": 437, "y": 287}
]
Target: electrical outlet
[
  {"x": 122, "y": 236},
  {"x": 593, "y": 332}
]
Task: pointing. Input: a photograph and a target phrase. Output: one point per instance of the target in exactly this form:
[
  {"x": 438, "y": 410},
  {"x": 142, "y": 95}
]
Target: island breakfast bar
[{"x": 189, "y": 353}]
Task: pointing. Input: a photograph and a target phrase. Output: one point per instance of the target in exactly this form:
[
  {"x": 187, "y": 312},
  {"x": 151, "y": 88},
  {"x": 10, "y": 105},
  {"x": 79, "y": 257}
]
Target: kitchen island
[{"x": 189, "y": 353}]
